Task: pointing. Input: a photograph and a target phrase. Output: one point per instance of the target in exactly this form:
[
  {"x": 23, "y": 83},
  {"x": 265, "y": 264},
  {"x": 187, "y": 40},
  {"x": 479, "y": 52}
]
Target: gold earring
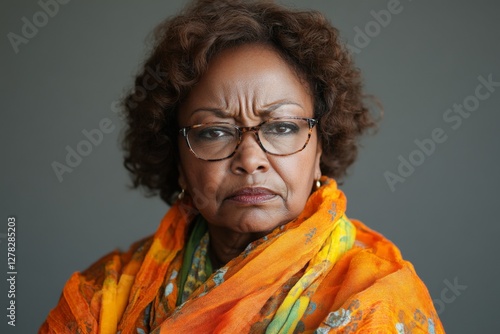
[
  {"x": 181, "y": 194},
  {"x": 317, "y": 184}
]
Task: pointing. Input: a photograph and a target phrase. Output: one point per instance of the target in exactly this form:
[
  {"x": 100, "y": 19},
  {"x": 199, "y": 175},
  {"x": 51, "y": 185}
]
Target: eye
[
  {"x": 280, "y": 128},
  {"x": 218, "y": 132}
]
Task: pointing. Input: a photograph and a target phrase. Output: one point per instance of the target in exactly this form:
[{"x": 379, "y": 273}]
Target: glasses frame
[{"x": 243, "y": 129}]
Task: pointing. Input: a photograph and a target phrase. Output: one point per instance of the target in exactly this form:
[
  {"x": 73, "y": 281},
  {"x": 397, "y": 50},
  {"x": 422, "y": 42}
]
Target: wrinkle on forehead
[{"x": 248, "y": 82}]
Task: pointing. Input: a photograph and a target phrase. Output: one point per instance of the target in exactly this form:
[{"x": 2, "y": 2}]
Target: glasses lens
[
  {"x": 213, "y": 141},
  {"x": 283, "y": 136}
]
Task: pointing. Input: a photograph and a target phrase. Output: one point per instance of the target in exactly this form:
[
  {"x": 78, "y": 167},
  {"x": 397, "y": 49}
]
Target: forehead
[{"x": 248, "y": 79}]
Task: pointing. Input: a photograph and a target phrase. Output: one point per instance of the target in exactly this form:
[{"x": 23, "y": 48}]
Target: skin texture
[{"x": 245, "y": 86}]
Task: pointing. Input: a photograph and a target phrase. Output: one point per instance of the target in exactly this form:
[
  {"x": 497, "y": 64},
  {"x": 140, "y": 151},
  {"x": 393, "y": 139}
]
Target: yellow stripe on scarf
[
  {"x": 108, "y": 317},
  {"x": 296, "y": 302}
]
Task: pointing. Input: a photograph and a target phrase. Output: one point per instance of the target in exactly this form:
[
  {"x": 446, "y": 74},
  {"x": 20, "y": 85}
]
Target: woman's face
[{"x": 252, "y": 191}]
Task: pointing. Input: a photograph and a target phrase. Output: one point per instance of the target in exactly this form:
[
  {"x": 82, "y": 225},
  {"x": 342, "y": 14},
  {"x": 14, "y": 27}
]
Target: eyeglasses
[{"x": 279, "y": 136}]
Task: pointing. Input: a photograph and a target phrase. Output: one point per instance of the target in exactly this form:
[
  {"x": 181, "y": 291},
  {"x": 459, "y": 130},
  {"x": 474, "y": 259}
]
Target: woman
[{"x": 255, "y": 111}]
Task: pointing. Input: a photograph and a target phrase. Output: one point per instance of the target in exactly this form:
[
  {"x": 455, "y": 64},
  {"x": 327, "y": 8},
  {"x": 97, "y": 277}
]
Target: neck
[{"x": 225, "y": 245}]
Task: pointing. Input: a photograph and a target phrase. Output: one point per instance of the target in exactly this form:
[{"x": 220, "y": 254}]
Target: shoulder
[
  {"x": 80, "y": 301},
  {"x": 367, "y": 238},
  {"x": 379, "y": 288},
  {"x": 97, "y": 271},
  {"x": 376, "y": 258}
]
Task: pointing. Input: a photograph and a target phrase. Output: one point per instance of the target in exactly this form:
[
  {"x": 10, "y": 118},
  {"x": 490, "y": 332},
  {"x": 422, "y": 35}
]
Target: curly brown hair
[{"x": 183, "y": 48}]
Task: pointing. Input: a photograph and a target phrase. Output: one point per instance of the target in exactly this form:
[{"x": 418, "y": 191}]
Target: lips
[{"x": 252, "y": 195}]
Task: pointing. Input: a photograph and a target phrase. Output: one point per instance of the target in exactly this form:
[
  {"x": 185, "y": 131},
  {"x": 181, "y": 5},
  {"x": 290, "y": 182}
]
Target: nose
[{"x": 249, "y": 157}]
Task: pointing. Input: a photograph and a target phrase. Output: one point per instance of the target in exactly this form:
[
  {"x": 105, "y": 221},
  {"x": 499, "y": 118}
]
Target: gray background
[{"x": 444, "y": 217}]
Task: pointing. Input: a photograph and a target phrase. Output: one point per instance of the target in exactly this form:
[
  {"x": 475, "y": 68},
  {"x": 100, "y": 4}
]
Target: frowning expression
[{"x": 251, "y": 191}]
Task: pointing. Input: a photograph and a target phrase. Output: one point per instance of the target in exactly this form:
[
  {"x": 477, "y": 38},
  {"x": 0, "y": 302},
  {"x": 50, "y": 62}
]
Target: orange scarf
[{"x": 305, "y": 276}]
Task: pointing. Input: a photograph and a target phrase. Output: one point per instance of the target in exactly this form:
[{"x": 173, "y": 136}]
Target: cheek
[
  {"x": 203, "y": 181},
  {"x": 298, "y": 173}
]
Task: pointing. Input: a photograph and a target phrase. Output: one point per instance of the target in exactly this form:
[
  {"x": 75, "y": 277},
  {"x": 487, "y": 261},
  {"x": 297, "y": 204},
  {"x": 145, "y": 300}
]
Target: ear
[
  {"x": 317, "y": 161},
  {"x": 182, "y": 178}
]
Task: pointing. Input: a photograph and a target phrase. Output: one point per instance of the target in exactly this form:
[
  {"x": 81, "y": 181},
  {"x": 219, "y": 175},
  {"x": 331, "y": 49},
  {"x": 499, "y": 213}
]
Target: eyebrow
[
  {"x": 275, "y": 106},
  {"x": 269, "y": 109}
]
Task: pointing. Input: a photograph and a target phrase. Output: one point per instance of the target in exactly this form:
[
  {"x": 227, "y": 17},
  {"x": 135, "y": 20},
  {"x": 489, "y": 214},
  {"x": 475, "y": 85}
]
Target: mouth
[{"x": 251, "y": 195}]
